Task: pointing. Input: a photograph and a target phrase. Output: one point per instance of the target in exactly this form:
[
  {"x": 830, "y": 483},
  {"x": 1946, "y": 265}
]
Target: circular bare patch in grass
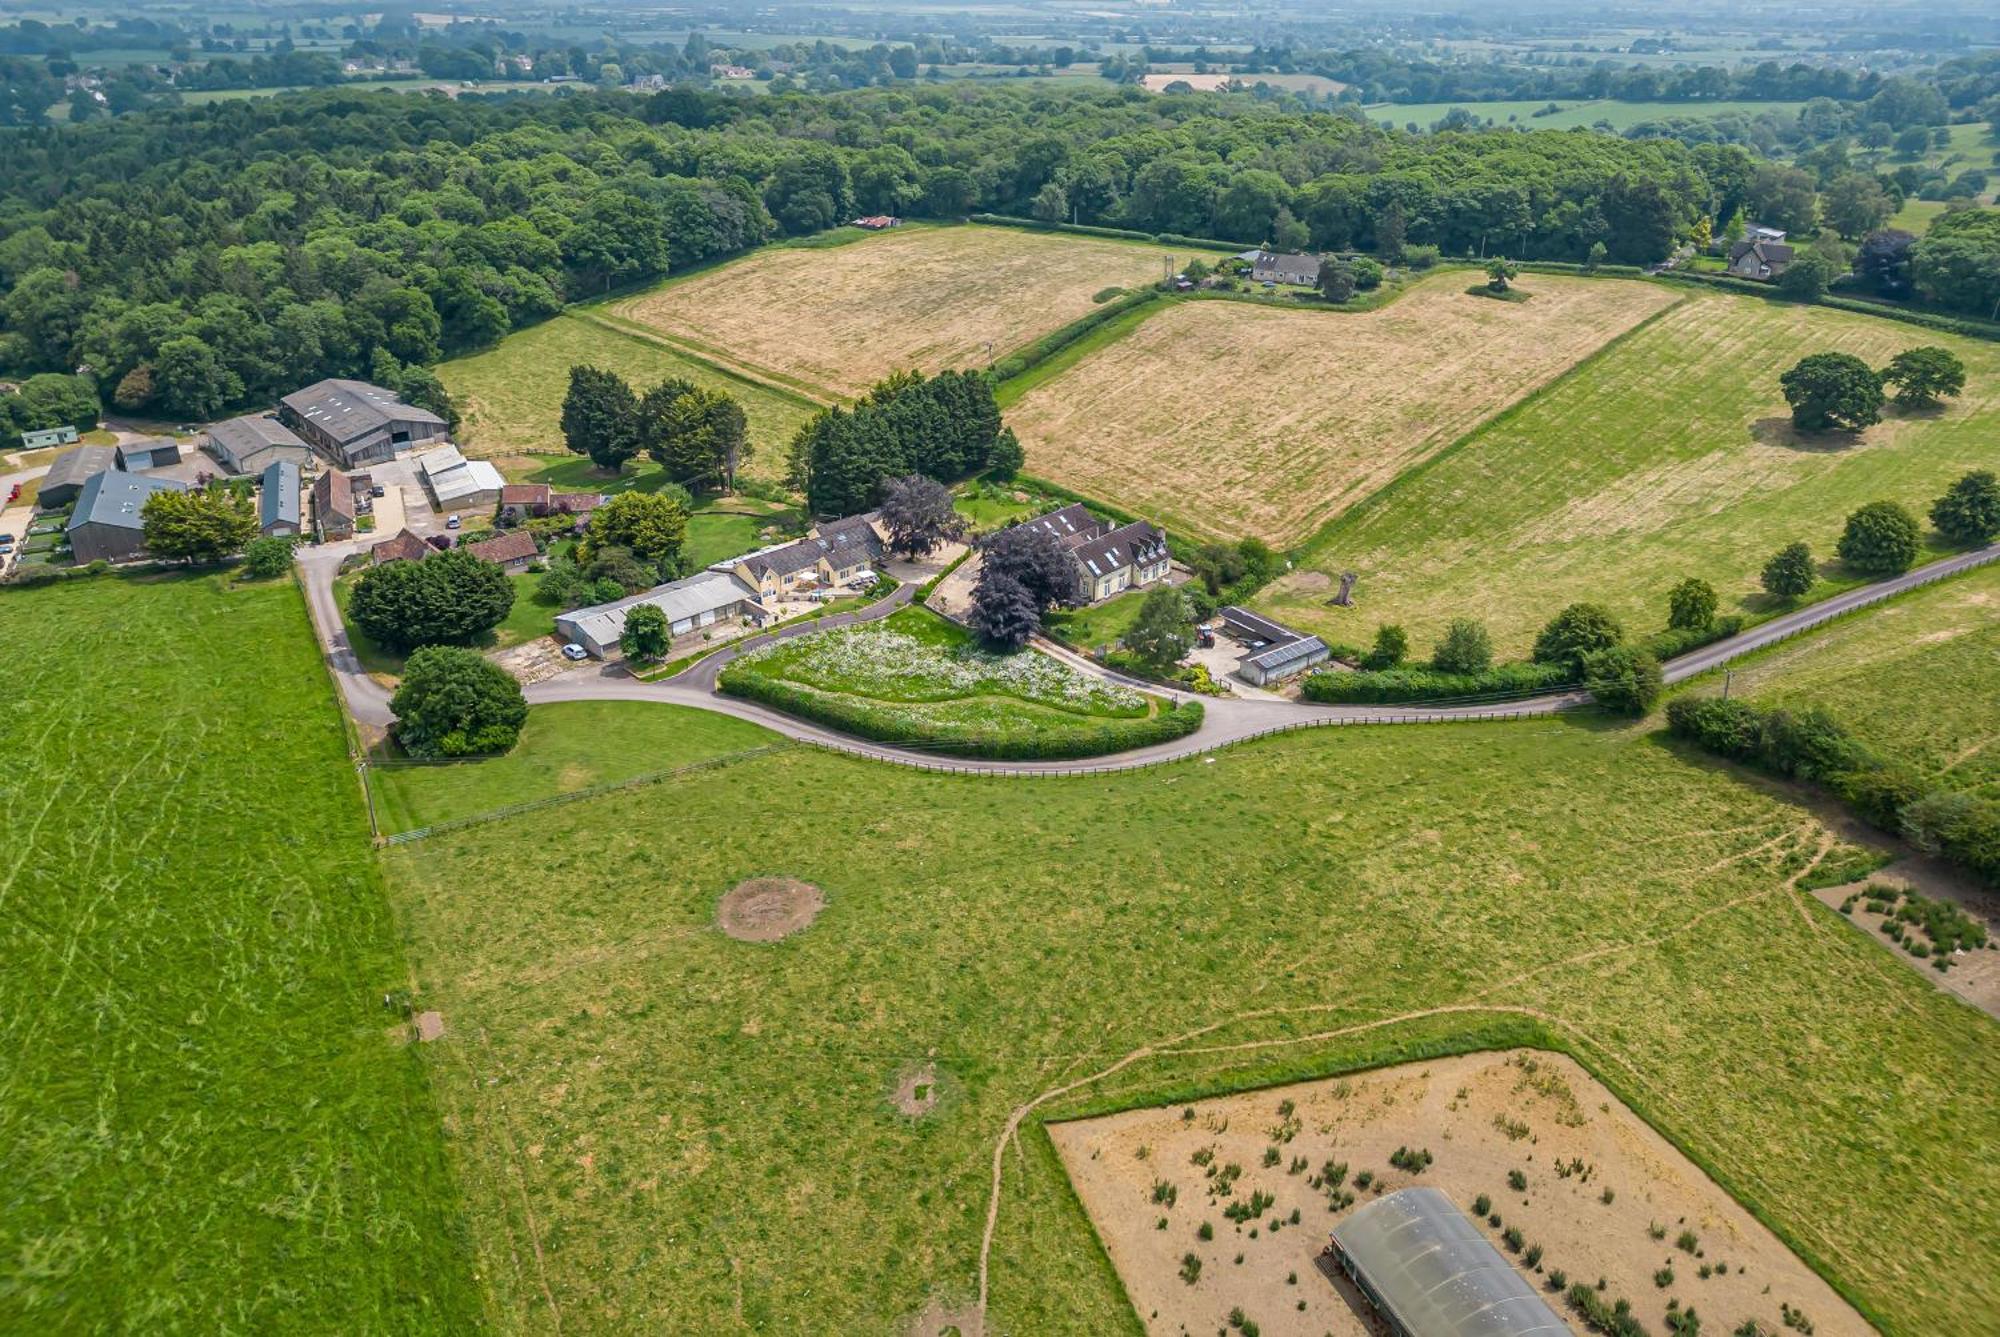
[
  {"x": 765, "y": 909},
  {"x": 916, "y": 1091}
]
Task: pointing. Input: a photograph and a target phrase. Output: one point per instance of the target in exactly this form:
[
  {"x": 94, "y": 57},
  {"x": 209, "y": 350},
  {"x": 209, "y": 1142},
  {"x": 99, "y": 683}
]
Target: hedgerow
[{"x": 1392, "y": 686}]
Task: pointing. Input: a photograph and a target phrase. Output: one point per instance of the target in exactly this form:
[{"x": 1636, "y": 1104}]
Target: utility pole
[{"x": 1727, "y": 674}]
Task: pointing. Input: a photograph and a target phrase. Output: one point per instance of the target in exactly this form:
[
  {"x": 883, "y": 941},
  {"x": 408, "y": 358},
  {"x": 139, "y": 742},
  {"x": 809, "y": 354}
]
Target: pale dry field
[
  {"x": 1224, "y": 419},
  {"x": 841, "y": 319},
  {"x": 1480, "y": 1116}
]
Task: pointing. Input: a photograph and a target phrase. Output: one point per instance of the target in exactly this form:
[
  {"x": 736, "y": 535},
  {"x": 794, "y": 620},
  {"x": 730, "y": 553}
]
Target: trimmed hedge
[
  {"x": 867, "y": 719},
  {"x": 923, "y": 593},
  {"x": 1670, "y": 644},
  {"x": 1401, "y": 685},
  {"x": 1564, "y": 267},
  {"x": 1118, "y": 233},
  {"x": 1046, "y": 347}
]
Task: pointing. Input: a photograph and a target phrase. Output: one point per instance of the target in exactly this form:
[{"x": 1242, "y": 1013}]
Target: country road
[{"x": 1227, "y": 720}]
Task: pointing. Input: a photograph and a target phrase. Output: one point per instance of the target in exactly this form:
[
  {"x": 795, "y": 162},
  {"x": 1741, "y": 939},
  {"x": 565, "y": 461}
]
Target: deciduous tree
[
  {"x": 1832, "y": 390},
  {"x": 652, "y": 526},
  {"x": 1575, "y": 632},
  {"x": 1969, "y": 513},
  {"x": 1881, "y": 539},
  {"x": 449, "y": 598},
  {"x": 1392, "y": 643},
  {"x": 1464, "y": 648},
  {"x": 919, "y": 515},
  {"x": 646, "y": 635},
  {"x": 1163, "y": 633},
  {"x": 1691, "y": 605},
  {"x": 1623, "y": 678},
  {"x": 1789, "y": 573},
  {"x": 1922, "y": 376},
  {"x": 197, "y": 526},
  {"x": 455, "y": 703}
]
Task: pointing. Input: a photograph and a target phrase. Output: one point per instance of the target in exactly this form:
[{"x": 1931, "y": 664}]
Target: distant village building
[
  {"x": 70, "y": 470},
  {"x": 1759, "y": 259},
  {"x": 1285, "y": 267},
  {"x": 106, "y": 525},
  {"x": 354, "y": 423},
  {"x": 248, "y": 445},
  {"x": 279, "y": 502},
  {"x": 878, "y": 222},
  {"x": 731, "y": 72}
]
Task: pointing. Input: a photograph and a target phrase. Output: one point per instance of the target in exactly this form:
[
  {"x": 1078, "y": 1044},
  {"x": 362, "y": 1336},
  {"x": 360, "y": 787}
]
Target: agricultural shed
[
  {"x": 1277, "y": 651},
  {"x": 155, "y": 452},
  {"x": 248, "y": 445},
  {"x": 278, "y": 500},
  {"x": 1430, "y": 1273},
  {"x": 458, "y": 484},
  {"x": 354, "y": 423},
  {"x": 71, "y": 470},
  {"x": 106, "y": 524},
  {"x": 690, "y": 604}
]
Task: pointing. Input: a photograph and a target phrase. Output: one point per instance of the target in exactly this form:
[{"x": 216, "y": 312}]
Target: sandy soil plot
[
  {"x": 1480, "y": 1116},
  {"x": 1226, "y": 419},
  {"x": 928, "y": 298}
]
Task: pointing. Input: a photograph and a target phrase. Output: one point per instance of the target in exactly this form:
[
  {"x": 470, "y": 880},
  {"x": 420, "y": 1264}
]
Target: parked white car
[{"x": 575, "y": 651}]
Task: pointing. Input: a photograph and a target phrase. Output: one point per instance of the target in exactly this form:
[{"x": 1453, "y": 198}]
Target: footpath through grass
[
  {"x": 1671, "y": 455},
  {"x": 675, "y": 1131},
  {"x": 205, "y": 1125}
]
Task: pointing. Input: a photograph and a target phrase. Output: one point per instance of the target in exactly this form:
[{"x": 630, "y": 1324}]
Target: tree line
[{"x": 944, "y": 427}]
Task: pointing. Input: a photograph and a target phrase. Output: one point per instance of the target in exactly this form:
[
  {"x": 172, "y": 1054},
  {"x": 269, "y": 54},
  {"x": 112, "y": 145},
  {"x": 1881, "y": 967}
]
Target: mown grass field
[
  {"x": 661, "y": 1128},
  {"x": 836, "y": 321},
  {"x": 1671, "y": 455},
  {"x": 1226, "y": 419},
  {"x": 205, "y": 1125},
  {"x": 511, "y": 395},
  {"x": 1918, "y": 678}
]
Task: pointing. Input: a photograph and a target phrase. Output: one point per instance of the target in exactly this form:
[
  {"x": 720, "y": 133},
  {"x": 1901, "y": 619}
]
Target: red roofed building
[
  {"x": 520, "y": 501},
  {"x": 405, "y": 547},
  {"x": 513, "y": 550}
]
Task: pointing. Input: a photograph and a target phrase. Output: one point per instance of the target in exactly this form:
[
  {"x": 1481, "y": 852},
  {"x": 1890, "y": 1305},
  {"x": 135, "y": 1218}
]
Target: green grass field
[
  {"x": 1934, "y": 654},
  {"x": 1670, "y": 454},
  {"x": 662, "y": 1128},
  {"x": 511, "y": 395},
  {"x": 205, "y": 1124},
  {"x": 1621, "y": 116}
]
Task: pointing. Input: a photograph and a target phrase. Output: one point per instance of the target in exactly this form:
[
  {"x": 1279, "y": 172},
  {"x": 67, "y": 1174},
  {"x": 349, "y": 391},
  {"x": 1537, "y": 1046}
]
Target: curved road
[{"x": 1227, "y": 720}]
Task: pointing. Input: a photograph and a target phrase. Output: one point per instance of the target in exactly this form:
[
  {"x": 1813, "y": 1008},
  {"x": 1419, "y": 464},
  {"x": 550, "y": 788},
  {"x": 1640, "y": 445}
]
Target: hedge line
[
  {"x": 1122, "y": 234},
  {"x": 872, "y": 720},
  {"x": 923, "y": 593},
  {"x": 1046, "y": 347},
  {"x": 1564, "y": 267},
  {"x": 1814, "y": 747},
  {"x": 1670, "y": 644},
  {"x": 1399, "y": 685},
  {"x": 1930, "y": 320}
]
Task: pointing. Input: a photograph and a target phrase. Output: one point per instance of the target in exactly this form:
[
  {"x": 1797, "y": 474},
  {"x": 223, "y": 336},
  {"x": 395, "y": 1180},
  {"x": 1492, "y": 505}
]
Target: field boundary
[{"x": 803, "y": 393}]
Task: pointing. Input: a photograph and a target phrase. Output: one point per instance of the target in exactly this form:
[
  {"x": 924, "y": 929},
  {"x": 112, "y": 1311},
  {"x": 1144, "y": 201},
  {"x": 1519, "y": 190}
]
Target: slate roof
[
  {"x": 680, "y": 600},
  {"x": 75, "y": 466},
  {"x": 115, "y": 498},
  {"x": 1071, "y": 524},
  {"x": 839, "y": 541},
  {"x": 1772, "y": 253},
  {"x": 514, "y": 546},
  {"x": 1294, "y": 267},
  {"x": 347, "y": 411},
  {"x": 1136, "y": 544},
  {"x": 278, "y": 502},
  {"x": 1256, "y": 625}
]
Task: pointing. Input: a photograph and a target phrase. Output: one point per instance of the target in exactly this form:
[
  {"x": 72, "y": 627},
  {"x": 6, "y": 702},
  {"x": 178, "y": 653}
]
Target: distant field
[
  {"x": 1621, "y": 115},
  {"x": 839, "y": 320},
  {"x": 207, "y": 1123},
  {"x": 1672, "y": 455},
  {"x": 1226, "y": 419},
  {"x": 511, "y": 395},
  {"x": 660, "y": 1128},
  {"x": 1934, "y": 655}
]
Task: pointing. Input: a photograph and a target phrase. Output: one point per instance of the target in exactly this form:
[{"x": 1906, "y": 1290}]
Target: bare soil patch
[
  {"x": 937, "y": 1319},
  {"x": 765, "y": 909},
  {"x": 1321, "y": 1149},
  {"x": 917, "y": 1091},
  {"x": 1974, "y": 975},
  {"x": 927, "y": 298},
  {"x": 1226, "y": 419}
]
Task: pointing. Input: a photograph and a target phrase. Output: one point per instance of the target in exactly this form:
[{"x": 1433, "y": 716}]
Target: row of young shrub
[
  {"x": 1046, "y": 347},
  {"x": 1813, "y": 747},
  {"x": 892, "y": 724},
  {"x": 1403, "y": 685},
  {"x": 1122, "y": 234}
]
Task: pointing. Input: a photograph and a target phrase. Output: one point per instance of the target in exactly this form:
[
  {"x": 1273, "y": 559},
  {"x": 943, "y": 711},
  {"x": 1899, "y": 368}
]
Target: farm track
[{"x": 1227, "y": 721}]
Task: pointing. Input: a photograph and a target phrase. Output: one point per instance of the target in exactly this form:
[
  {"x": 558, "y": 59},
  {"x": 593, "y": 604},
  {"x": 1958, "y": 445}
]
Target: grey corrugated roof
[
  {"x": 278, "y": 502},
  {"x": 253, "y": 432},
  {"x": 708, "y": 592},
  {"x": 350, "y": 410},
  {"x": 1436, "y": 1274},
  {"x": 116, "y": 498},
  {"x": 78, "y": 463}
]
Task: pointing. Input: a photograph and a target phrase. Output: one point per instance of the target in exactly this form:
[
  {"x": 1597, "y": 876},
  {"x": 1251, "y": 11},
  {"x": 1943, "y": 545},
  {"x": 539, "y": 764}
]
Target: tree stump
[{"x": 1346, "y": 595}]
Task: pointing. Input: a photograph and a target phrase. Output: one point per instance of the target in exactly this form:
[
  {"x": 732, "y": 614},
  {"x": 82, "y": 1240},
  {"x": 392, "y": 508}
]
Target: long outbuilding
[
  {"x": 691, "y": 604},
  {"x": 1430, "y": 1272},
  {"x": 69, "y": 471},
  {"x": 250, "y": 444}
]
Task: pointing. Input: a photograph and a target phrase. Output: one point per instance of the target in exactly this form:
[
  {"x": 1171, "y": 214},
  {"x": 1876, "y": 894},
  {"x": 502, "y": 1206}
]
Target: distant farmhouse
[
  {"x": 156, "y": 452},
  {"x": 689, "y": 605},
  {"x": 1106, "y": 559},
  {"x": 1759, "y": 259},
  {"x": 106, "y": 525},
  {"x": 878, "y": 222},
  {"x": 1283, "y": 267},
  {"x": 1275, "y": 650},
  {"x": 834, "y": 554},
  {"x": 248, "y": 445},
  {"x": 70, "y": 470},
  {"x": 354, "y": 423},
  {"x": 279, "y": 504}
]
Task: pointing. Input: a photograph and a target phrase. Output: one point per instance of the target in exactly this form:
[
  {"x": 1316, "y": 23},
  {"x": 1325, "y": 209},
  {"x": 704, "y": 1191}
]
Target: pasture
[
  {"x": 1224, "y": 419},
  {"x": 659, "y": 1127},
  {"x": 208, "y": 1121},
  {"x": 832, "y": 322},
  {"x": 511, "y": 394},
  {"x": 1671, "y": 455}
]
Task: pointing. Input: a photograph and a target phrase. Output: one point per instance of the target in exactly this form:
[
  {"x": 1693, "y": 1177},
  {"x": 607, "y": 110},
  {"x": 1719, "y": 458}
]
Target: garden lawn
[
  {"x": 1099, "y": 624},
  {"x": 664, "y": 1129},
  {"x": 1670, "y": 455},
  {"x": 1918, "y": 678},
  {"x": 511, "y": 395},
  {"x": 208, "y": 1122}
]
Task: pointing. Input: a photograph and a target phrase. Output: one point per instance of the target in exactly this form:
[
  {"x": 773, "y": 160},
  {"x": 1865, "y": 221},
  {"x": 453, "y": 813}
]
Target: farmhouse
[
  {"x": 512, "y": 551},
  {"x": 405, "y": 547},
  {"x": 456, "y": 483},
  {"x": 72, "y": 469},
  {"x": 354, "y": 423},
  {"x": 333, "y": 505},
  {"x": 522, "y": 501},
  {"x": 1281, "y": 267},
  {"x": 248, "y": 445},
  {"x": 156, "y": 452},
  {"x": 1759, "y": 259},
  {"x": 106, "y": 524},
  {"x": 278, "y": 501},
  {"x": 1276, "y": 651},
  {"x": 833, "y": 554},
  {"x": 694, "y": 603},
  {"x": 64, "y": 435},
  {"x": 1106, "y": 559},
  {"x": 1430, "y": 1273}
]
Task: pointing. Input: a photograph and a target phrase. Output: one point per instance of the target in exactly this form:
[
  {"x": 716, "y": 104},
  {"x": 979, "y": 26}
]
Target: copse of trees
[
  {"x": 698, "y": 435},
  {"x": 944, "y": 427},
  {"x": 51, "y": 399},
  {"x": 1578, "y": 630},
  {"x": 449, "y": 598},
  {"x": 201, "y": 525},
  {"x": 1023, "y": 572},
  {"x": 455, "y": 703},
  {"x": 648, "y": 528}
]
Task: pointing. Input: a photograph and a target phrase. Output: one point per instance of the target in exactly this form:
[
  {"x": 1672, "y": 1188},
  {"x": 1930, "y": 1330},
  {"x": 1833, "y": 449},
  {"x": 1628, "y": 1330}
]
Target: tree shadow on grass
[{"x": 1781, "y": 433}]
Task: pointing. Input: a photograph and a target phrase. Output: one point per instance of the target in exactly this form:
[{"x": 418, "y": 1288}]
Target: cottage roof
[
  {"x": 333, "y": 496},
  {"x": 514, "y": 546},
  {"x": 114, "y": 498},
  {"x": 840, "y": 541},
  {"x": 350, "y": 410},
  {"x": 1070, "y": 523},
  {"x": 1136, "y": 544},
  {"x": 405, "y": 547},
  {"x": 525, "y": 494},
  {"x": 576, "y": 503},
  {"x": 1769, "y": 252},
  {"x": 278, "y": 502}
]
